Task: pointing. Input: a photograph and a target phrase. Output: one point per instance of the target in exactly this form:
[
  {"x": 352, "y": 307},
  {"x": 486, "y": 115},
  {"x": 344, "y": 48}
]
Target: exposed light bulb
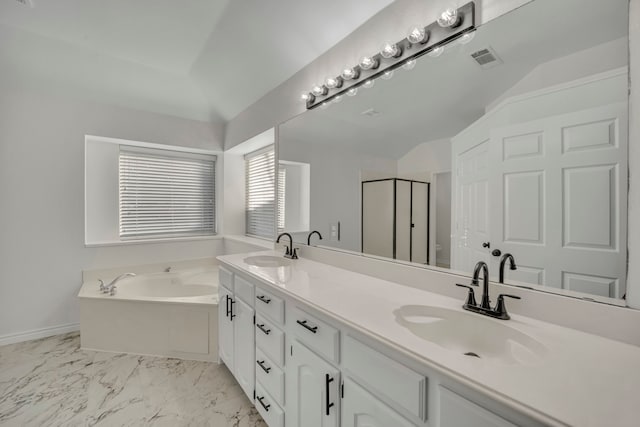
[
  {"x": 417, "y": 34},
  {"x": 333, "y": 82},
  {"x": 387, "y": 75},
  {"x": 368, "y": 63},
  {"x": 337, "y": 99},
  {"x": 390, "y": 50},
  {"x": 436, "y": 52},
  {"x": 449, "y": 18},
  {"x": 467, "y": 37},
  {"x": 306, "y": 96},
  {"x": 350, "y": 73},
  {"x": 319, "y": 90},
  {"x": 409, "y": 65},
  {"x": 352, "y": 92},
  {"x": 369, "y": 84}
]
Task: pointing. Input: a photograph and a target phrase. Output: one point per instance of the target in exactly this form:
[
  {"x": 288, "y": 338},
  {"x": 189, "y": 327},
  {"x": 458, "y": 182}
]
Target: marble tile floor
[{"x": 51, "y": 382}]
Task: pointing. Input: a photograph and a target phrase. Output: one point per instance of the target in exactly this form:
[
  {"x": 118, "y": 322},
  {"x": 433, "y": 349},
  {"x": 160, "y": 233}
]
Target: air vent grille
[{"x": 486, "y": 58}]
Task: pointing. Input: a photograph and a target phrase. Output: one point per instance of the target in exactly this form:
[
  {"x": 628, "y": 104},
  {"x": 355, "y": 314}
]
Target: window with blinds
[
  {"x": 260, "y": 192},
  {"x": 165, "y": 193}
]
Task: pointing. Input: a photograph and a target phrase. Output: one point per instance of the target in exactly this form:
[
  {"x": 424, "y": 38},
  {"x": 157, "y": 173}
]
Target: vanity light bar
[{"x": 437, "y": 36}]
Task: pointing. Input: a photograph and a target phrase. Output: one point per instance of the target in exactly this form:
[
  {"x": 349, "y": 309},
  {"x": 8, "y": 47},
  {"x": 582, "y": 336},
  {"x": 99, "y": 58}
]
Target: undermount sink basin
[
  {"x": 471, "y": 334},
  {"x": 267, "y": 261}
]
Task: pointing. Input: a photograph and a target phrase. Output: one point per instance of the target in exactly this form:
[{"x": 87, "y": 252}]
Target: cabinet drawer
[
  {"x": 244, "y": 290},
  {"x": 270, "y": 305},
  {"x": 226, "y": 278},
  {"x": 315, "y": 333},
  {"x": 270, "y": 339},
  {"x": 270, "y": 376},
  {"x": 272, "y": 414},
  {"x": 385, "y": 377}
]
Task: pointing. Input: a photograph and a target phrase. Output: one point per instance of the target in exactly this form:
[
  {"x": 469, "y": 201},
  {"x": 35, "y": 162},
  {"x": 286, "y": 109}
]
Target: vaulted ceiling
[{"x": 198, "y": 59}]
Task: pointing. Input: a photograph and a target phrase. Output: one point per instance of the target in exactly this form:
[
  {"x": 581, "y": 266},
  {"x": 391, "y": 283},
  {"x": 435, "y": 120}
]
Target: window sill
[{"x": 150, "y": 241}]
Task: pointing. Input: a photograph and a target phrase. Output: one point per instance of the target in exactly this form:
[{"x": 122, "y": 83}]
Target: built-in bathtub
[{"x": 170, "y": 314}]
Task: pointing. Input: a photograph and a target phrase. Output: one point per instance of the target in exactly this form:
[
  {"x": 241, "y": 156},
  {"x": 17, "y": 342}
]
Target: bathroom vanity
[{"x": 315, "y": 345}]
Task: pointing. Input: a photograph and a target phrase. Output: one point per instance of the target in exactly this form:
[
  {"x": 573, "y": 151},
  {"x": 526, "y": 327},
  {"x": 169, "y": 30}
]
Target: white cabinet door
[
  {"x": 456, "y": 411},
  {"x": 244, "y": 346},
  {"x": 225, "y": 327},
  {"x": 362, "y": 409},
  {"x": 312, "y": 387}
]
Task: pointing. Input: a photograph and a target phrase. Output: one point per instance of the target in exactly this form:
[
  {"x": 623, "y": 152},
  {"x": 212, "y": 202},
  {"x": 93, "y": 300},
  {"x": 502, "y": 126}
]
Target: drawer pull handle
[
  {"x": 264, "y": 299},
  {"x": 260, "y": 399},
  {"x": 263, "y": 329},
  {"x": 327, "y": 380},
  {"x": 304, "y": 324},
  {"x": 264, "y": 368}
]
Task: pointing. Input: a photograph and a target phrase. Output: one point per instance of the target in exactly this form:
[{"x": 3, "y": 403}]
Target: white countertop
[{"x": 582, "y": 380}]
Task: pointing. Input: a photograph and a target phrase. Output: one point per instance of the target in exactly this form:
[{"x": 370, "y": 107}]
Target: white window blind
[
  {"x": 166, "y": 193},
  {"x": 260, "y": 192},
  {"x": 282, "y": 192}
]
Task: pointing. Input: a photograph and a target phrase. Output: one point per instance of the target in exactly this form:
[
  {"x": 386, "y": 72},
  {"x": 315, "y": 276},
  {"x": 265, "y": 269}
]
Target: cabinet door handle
[
  {"x": 231, "y": 308},
  {"x": 226, "y": 299},
  {"x": 327, "y": 380},
  {"x": 304, "y": 324},
  {"x": 263, "y": 329},
  {"x": 264, "y": 368},
  {"x": 260, "y": 399},
  {"x": 264, "y": 299}
]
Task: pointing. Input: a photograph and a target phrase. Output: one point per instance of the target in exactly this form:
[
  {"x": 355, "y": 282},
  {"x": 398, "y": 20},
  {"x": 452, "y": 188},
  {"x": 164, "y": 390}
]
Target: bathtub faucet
[{"x": 111, "y": 287}]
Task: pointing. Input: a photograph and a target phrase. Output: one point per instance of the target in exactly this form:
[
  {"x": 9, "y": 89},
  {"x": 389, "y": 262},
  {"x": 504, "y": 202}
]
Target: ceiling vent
[
  {"x": 486, "y": 58},
  {"x": 27, "y": 3},
  {"x": 370, "y": 112}
]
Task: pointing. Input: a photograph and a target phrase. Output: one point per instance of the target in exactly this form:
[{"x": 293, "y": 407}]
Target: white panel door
[
  {"x": 244, "y": 347},
  {"x": 312, "y": 387},
  {"x": 471, "y": 227},
  {"x": 362, "y": 409},
  {"x": 403, "y": 220},
  {"x": 420, "y": 222},
  {"x": 559, "y": 202},
  {"x": 377, "y": 218},
  {"x": 225, "y": 327}
]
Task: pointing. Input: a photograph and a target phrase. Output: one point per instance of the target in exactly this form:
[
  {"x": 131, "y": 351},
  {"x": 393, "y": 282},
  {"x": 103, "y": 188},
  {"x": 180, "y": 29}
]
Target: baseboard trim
[{"x": 35, "y": 334}]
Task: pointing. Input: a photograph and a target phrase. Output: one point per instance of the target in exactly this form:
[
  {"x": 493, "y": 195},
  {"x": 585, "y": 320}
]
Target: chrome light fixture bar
[{"x": 436, "y": 37}]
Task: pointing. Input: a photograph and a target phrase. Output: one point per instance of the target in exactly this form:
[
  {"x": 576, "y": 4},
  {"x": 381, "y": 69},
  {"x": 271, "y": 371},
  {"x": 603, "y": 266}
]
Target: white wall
[
  {"x": 336, "y": 174},
  {"x": 42, "y": 252},
  {"x": 587, "y": 62},
  {"x": 425, "y": 159}
]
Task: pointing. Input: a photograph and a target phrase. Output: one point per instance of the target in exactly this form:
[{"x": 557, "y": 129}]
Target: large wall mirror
[{"x": 515, "y": 142}]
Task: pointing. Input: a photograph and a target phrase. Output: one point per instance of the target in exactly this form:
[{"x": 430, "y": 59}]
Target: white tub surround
[
  {"x": 573, "y": 378},
  {"x": 163, "y": 313}
]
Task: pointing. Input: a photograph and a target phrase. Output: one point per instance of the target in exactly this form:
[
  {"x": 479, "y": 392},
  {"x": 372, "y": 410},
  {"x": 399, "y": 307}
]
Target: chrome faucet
[
  {"x": 111, "y": 287},
  {"x": 311, "y": 234},
  {"x": 500, "y": 310},
  {"x": 291, "y": 252},
  {"x": 503, "y": 261}
]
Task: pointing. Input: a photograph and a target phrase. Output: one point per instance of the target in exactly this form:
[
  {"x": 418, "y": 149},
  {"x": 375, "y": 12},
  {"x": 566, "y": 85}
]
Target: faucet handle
[
  {"x": 113, "y": 290},
  {"x": 294, "y": 253},
  {"x": 501, "y": 308},
  {"x": 471, "y": 297}
]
